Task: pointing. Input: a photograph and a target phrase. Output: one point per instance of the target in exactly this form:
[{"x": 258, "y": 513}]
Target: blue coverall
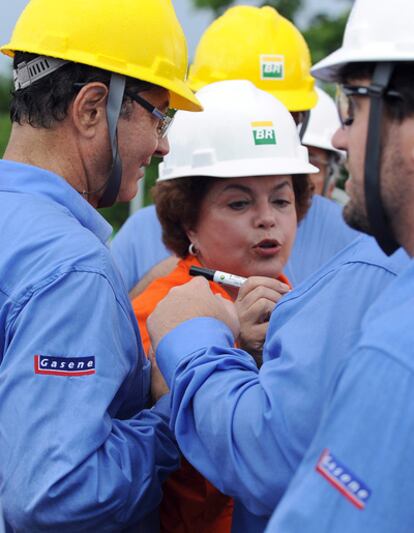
[
  {"x": 247, "y": 430},
  {"x": 78, "y": 449},
  {"x": 358, "y": 474}
]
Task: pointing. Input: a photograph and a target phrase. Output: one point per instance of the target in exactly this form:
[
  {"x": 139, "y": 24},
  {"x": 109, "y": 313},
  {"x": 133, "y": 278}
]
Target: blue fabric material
[
  {"x": 320, "y": 236},
  {"x": 247, "y": 430},
  {"x": 368, "y": 426},
  {"x": 138, "y": 246},
  {"x": 77, "y": 452}
]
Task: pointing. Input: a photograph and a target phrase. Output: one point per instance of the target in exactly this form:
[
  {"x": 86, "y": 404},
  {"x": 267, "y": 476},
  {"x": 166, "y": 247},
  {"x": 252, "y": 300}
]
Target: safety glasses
[
  {"x": 165, "y": 120},
  {"x": 346, "y": 104}
]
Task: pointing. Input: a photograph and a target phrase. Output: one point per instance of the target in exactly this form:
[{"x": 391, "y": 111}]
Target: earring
[{"x": 192, "y": 250}]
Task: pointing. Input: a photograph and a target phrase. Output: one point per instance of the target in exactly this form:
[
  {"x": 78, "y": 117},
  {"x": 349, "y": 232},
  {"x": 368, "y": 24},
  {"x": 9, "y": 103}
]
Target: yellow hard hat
[
  {"x": 138, "y": 38},
  {"x": 259, "y": 45}
]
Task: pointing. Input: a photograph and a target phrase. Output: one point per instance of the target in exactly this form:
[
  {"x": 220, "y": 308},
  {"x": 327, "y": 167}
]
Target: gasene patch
[
  {"x": 343, "y": 480},
  {"x": 64, "y": 366}
]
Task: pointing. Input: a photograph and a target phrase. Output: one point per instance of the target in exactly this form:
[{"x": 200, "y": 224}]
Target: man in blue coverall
[
  {"x": 248, "y": 430},
  {"x": 80, "y": 449},
  {"x": 358, "y": 474}
]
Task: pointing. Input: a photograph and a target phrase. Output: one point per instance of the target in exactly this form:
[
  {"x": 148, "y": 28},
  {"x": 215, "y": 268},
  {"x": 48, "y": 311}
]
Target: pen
[{"x": 218, "y": 276}]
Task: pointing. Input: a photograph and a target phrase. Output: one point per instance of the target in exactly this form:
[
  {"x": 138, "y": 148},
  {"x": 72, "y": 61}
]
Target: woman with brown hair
[{"x": 229, "y": 197}]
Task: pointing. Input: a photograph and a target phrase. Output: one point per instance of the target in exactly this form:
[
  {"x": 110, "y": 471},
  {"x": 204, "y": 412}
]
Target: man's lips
[{"x": 348, "y": 186}]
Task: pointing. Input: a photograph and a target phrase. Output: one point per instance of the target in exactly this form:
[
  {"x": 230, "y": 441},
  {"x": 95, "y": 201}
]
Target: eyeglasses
[
  {"x": 346, "y": 105},
  {"x": 165, "y": 120}
]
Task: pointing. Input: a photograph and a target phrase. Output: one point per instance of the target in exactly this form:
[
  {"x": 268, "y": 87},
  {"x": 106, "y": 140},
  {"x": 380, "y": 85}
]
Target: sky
[{"x": 193, "y": 21}]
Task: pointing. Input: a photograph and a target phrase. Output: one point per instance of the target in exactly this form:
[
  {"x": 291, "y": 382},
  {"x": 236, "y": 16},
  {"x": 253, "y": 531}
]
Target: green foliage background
[
  {"x": 5, "y": 87},
  {"x": 323, "y": 35}
]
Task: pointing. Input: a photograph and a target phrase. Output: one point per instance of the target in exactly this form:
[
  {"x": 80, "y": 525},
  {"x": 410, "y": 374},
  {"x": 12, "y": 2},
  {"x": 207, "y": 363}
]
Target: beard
[
  {"x": 397, "y": 192},
  {"x": 355, "y": 213}
]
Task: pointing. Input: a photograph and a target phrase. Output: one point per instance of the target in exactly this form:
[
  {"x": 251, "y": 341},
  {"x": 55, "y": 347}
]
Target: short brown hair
[
  {"x": 46, "y": 102},
  {"x": 178, "y": 203}
]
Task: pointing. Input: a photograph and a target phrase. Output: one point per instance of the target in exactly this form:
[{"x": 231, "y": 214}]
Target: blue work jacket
[
  {"x": 358, "y": 474},
  {"x": 78, "y": 449},
  {"x": 247, "y": 430}
]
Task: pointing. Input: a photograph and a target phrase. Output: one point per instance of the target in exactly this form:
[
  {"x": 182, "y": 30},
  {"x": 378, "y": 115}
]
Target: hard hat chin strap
[
  {"x": 304, "y": 125},
  {"x": 377, "y": 217},
  {"x": 113, "y": 110}
]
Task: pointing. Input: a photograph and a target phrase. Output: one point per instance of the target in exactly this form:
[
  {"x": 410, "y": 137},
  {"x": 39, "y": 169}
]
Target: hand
[
  {"x": 194, "y": 299},
  {"x": 158, "y": 385},
  {"x": 255, "y": 302}
]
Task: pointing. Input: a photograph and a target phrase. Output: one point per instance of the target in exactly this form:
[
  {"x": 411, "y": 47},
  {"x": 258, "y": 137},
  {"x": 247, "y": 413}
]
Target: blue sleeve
[
  {"x": 358, "y": 475},
  {"x": 224, "y": 412},
  {"x": 138, "y": 246},
  {"x": 70, "y": 459}
]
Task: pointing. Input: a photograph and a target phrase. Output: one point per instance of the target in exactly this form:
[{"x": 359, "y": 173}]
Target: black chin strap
[
  {"x": 304, "y": 125},
  {"x": 113, "y": 110},
  {"x": 375, "y": 209}
]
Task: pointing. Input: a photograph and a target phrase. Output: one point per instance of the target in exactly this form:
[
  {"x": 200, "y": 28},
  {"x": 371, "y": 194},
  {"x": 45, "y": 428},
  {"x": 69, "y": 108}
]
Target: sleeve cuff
[
  {"x": 187, "y": 338},
  {"x": 163, "y": 405}
]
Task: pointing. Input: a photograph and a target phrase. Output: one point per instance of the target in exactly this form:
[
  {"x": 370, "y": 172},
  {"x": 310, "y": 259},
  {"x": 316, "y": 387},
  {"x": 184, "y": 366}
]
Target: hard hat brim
[
  {"x": 294, "y": 100},
  {"x": 242, "y": 168},
  {"x": 182, "y": 97},
  {"x": 320, "y": 142},
  {"x": 328, "y": 68}
]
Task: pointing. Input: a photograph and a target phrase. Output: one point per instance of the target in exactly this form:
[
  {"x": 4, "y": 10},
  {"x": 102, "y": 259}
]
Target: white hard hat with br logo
[{"x": 243, "y": 131}]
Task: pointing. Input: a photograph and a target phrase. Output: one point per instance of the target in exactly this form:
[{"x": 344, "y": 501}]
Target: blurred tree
[
  {"x": 116, "y": 215},
  {"x": 151, "y": 175},
  {"x": 324, "y": 34},
  {"x": 288, "y": 8},
  {"x": 217, "y": 6},
  {"x": 4, "y": 131},
  {"x": 5, "y": 88}
]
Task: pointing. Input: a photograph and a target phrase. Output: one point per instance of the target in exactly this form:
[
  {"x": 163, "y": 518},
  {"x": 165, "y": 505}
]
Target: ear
[
  {"x": 192, "y": 235},
  {"x": 88, "y": 109}
]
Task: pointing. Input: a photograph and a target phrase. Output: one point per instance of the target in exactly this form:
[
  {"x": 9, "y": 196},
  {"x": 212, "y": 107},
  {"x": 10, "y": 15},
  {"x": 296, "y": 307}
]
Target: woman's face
[{"x": 247, "y": 225}]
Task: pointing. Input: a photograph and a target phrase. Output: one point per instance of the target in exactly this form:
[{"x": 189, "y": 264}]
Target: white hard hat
[
  {"x": 243, "y": 131},
  {"x": 323, "y": 123},
  {"x": 372, "y": 34}
]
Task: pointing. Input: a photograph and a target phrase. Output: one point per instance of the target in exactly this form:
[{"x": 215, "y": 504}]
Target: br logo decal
[
  {"x": 272, "y": 67},
  {"x": 263, "y": 132},
  {"x": 342, "y": 479},
  {"x": 64, "y": 366}
]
